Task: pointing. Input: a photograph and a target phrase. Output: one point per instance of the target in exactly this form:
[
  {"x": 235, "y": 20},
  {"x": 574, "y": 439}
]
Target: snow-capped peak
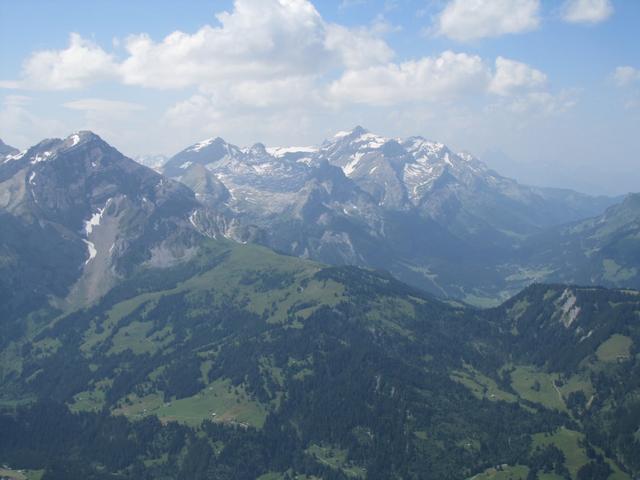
[
  {"x": 358, "y": 138},
  {"x": 421, "y": 148},
  {"x": 342, "y": 134},
  {"x": 353, "y": 133},
  {"x": 205, "y": 143}
]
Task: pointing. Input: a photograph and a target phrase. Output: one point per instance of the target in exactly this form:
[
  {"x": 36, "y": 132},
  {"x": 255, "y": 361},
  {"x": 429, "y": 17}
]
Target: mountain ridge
[{"x": 452, "y": 198}]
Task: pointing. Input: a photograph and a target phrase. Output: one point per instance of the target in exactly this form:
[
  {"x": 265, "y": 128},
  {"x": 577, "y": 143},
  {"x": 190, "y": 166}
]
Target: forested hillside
[{"x": 243, "y": 364}]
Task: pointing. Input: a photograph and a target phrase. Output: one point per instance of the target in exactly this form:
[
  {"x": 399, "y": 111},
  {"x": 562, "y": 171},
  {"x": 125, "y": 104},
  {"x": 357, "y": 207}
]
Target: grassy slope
[{"x": 234, "y": 278}]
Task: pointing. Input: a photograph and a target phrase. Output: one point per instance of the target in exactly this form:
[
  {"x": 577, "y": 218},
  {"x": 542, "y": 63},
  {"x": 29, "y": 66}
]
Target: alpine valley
[{"x": 311, "y": 313}]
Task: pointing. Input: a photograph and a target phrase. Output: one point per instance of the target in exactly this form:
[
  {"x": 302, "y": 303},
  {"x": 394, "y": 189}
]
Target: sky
[{"x": 547, "y": 92}]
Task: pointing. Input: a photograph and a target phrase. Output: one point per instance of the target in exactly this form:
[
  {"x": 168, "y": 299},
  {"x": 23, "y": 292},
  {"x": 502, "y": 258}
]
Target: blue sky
[{"x": 546, "y": 92}]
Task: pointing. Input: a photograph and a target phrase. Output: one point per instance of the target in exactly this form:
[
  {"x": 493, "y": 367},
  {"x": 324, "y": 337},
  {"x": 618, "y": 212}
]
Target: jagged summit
[
  {"x": 360, "y": 197},
  {"x": 354, "y": 132},
  {"x": 48, "y": 148},
  {"x": 101, "y": 213}
]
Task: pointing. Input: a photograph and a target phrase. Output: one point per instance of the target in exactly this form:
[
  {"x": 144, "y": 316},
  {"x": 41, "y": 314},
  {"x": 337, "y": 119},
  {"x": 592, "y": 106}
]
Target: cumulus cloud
[
  {"x": 512, "y": 76},
  {"x": 81, "y": 63},
  {"x": 587, "y": 11},
  {"x": 625, "y": 76},
  {"x": 426, "y": 79},
  {"x": 260, "y": 40},
  {"x": 273, "y": 93},
  {"x": 357, "y": 48},
  {"x": 438, "y": 78},
  {"x": 466, "y": 20}
]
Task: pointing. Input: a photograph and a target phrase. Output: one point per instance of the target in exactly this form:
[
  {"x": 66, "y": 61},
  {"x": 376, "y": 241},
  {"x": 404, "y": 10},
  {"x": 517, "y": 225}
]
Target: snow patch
[
  {"x": 41, "y": 157},
  {"x": 349, "y": 168},
  {"x": 31, "y": 178},
  {"x": 467, "y": 157},
  {"x": 373, "y": 141},
  {"x": 424, "y": 150},
  {"x": 447, "y": 160},
  {"x": 92, "y": 250},
  {"x": 186, "y": 165},
  {"x": 264, "y": 168},
  {"x": 342, "y": 134},
  {"x": 15, "y": 156},
  {"x": 75, "y": 139},
  {"x": 95, "y": 219},
  {"x": 200, "y": 145}
]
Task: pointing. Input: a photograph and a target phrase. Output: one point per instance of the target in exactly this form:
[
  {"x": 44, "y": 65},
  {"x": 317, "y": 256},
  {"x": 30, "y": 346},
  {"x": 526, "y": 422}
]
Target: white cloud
[
  {"x": 356, "y": 48},
  {"x": 512, "y": 76},
  {"x": 426, "y": 79},
  {"x": 81, "y": 63},
  {"x": 466, "y": 20},
  {"x": 587, "y": 11},
  {"x": 258, "y": 40},
  {"x": 432, "y": 79},
  {"x": 273, "y": 93},
  {"x": 626, "y": 75},
  {"x": 103, "y": 105}
]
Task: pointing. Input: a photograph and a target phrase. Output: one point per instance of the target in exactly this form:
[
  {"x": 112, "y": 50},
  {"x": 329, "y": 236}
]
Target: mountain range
[
  {"x": 148, "y": 332},
  {"x": 439, "y": 220}
]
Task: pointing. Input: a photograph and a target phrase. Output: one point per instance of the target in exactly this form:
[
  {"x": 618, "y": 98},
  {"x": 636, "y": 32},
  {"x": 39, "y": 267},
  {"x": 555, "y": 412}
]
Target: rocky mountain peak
[
  {"x": 82, "y": 137},
  {"x": 349, "y": 134},
  {"x": 209, "y": 142},
  {"x": 258, "y": 149}
]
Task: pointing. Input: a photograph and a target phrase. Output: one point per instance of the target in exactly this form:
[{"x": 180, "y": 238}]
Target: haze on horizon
[{"x": 545, "y": 92}]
